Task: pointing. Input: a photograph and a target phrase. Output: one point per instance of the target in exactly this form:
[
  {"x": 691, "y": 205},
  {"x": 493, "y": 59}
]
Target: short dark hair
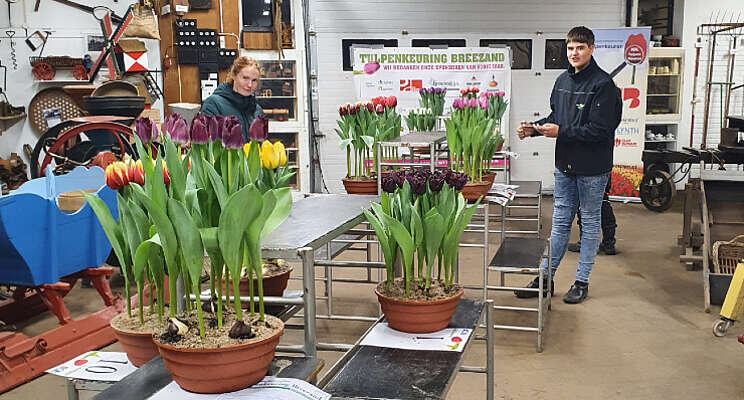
[{"x": 580, "y": 34}]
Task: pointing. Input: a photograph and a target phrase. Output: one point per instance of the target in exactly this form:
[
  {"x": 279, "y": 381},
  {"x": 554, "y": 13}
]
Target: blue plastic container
[{"x": 39, "y": 243}]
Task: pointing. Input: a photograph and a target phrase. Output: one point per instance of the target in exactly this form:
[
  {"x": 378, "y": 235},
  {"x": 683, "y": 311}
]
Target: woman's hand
[{"x": 524, "y": 130}]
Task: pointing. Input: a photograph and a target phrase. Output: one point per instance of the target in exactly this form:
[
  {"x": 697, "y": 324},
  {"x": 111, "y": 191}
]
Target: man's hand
[
  {"x": 547, "y": 130},
  {"x": 524, "y": 130}
]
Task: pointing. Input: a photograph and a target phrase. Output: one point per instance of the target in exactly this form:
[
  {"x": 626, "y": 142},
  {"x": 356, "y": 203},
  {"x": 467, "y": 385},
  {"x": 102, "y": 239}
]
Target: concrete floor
[{"x": 642, "y": 334}]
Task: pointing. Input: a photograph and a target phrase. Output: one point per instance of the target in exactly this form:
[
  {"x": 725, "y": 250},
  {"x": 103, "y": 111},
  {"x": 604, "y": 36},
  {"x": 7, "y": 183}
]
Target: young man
[
  {"x": 607, "y": 245},
  {"x": 585, "y": 110}
]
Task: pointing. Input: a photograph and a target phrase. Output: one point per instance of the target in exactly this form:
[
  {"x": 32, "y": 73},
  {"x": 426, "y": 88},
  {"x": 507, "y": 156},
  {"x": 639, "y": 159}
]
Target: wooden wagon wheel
[
  {"x": 80, "y": 73},
  {"x": 43, "y": 71},
  {"x": 121, "y": 146}
]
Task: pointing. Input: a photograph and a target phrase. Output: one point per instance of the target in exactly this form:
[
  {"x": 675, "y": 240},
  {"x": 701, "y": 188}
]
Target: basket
[
  {"x": 57, "y": 61},
  {"x": 727, "y": 254}
]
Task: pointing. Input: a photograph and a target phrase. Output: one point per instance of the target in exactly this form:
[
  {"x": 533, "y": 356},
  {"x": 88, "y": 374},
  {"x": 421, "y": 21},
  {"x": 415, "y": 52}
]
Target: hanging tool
[
  {"x": 10, "y": 33},
  {"x": 37, "y": 40},
  {"x": 90, "y": 10},
  {"x": 9, "y": 3}
]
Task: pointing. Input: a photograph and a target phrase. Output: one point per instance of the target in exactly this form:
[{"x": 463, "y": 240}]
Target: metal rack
[{"x": 433, "y": 140}]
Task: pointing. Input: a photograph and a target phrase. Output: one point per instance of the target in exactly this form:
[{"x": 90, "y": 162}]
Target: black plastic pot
[{"x": 120, "y": 106}]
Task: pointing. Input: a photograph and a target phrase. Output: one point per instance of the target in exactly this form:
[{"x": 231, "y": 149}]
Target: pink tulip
[{"x": 371, "y": 67}]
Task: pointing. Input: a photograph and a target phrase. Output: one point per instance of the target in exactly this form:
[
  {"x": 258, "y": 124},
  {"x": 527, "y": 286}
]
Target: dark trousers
[{"x": 608, "y": 220}]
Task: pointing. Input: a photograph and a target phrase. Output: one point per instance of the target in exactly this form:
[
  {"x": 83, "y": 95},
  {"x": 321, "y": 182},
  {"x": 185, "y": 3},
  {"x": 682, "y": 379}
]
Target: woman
[{"x": 236, "y": 96}]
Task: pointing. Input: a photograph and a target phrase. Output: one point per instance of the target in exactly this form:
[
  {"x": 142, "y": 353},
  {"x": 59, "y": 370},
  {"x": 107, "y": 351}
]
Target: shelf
[
  {"x": 663, "y": 74},
  {"x": 661, "y": 141},
  {"x": 66, "y": 81}
]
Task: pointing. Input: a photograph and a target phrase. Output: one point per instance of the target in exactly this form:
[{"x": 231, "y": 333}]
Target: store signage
[
  {"x": 402, "y": 71},
  {"x": 624, "y": 53}
]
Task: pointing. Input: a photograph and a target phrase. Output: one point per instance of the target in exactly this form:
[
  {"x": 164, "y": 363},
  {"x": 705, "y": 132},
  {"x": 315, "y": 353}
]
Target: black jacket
[
  {"x": 225, "y": 101},
  {"x": 587, "y": 107}
]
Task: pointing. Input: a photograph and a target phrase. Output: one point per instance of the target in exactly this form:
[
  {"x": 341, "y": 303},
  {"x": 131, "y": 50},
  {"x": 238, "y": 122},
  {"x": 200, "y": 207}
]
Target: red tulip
[
  {"x": 370, "y": 107},
  {"x": 463, "y": 92},
  {"x": 117, "y": 175},
  {"x": 380, "y": 109},
  {"x": 391, "y": 102},
  {"x": 166, "y": 175},
  {"x": 342, "y": 111},
  {"x": 137, "y": 172}
]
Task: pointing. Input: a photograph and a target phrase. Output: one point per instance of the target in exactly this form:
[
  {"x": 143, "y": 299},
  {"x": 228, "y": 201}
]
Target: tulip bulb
[
  {"x": 177, "y": 327},
  {"x": 240, "y": 331}
]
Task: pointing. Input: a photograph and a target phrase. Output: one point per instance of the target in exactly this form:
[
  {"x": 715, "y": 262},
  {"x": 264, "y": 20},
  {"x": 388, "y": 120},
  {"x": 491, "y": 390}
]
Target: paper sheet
[
  {"x": 449, "y": 339},
  {"x": 96, "y": 366},
  {"x": 269, "y": 388}
]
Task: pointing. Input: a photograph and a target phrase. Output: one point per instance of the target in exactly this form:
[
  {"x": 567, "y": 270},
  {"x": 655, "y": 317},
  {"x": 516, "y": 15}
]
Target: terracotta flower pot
[
  {"x": 272, "y": 285},
  {"x": 413, "y": 316},
  {"x": 489, "y": 177},
  {"x": 139, "y": 346},
  {"x": 360, "y": 186},
  {"x": 475, "y": 190},
  {"x": 221, "y": 370}
]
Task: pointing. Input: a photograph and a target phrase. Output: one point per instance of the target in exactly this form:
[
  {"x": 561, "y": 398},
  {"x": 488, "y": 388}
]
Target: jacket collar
[{"x": 581, "y": 75}]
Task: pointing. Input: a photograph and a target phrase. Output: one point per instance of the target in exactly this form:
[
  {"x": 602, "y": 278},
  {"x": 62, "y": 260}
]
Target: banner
[
  {"x": 402, "y": 71},
  {"x": 623, "y": 53}
]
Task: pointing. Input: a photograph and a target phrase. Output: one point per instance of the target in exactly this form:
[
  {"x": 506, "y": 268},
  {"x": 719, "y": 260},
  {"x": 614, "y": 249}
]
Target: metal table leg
[{"x": 308, "y": 282}]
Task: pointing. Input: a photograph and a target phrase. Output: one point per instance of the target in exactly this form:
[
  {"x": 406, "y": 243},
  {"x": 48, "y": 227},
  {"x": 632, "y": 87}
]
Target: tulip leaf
[
  {"x": 209, "y": 239},
  {"x": 434, "y": 230},
  {"x": 344, "y": 143},
  {"x": 110, "y": 228},
  {"x": 241, "y": 209},
  {"x": 158, "y": 193},
  {"x": 369, "y": 141},
  {"x": 140, "y": 218},
  {"x": 254, "y": 161},
  {"x": 402, "y": 237},
  {"x": 217, "y": 185},
  {"x": 417, "y": 228},
  {"x": 280, "y": 211},
  {"x": 189, "y": 240},
  {"x": 176, "y": 171}
]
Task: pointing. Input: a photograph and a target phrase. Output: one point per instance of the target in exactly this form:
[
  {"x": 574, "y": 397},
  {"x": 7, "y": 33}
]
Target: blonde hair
[{"x": 238, "y": 65}]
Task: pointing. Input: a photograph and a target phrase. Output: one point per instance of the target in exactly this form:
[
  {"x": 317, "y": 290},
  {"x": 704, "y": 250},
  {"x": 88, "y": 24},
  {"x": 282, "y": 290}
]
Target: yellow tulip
[
  {"x": 280, "y": 153},
  {"x": 269, "y": 158},
  {"x": 247, "y": 148}
]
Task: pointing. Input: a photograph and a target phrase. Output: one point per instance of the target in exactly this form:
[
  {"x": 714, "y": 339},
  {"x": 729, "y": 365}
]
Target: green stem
[
  {"x": 199, "y": 316},
  {"x": 126, "y": 290},
  {"x": 236, "y": 299},
  {"x": 259, "y": 280},
  {"x": 252, "y": 306},
  {"x": 348, "y": 162},
  {"x": 140, "y": 300},
  {"x": 186, "y": 289},
  {"x": 221, "y": 288},
  {"x": 172, "y": 294},
  {"x": 161, "y": 305},
  {"x": 152, "y": 298}
]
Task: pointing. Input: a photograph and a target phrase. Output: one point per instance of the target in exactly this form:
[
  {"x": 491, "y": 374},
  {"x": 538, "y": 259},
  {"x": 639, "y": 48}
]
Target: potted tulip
[
  {"x": 420, "y": 219},
  {"x": 433, "y": 99},
  {"x": 214, "y": 203},
  {"x": 360, "y": 127},
  {"x": 473, "y": 139},
  {"x": 135, "y": 332}
]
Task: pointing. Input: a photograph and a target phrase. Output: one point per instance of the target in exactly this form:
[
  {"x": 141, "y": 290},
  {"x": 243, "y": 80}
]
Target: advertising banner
[
  {"x": 623, "y": 53},
  {"x": 402, "y": 71}
]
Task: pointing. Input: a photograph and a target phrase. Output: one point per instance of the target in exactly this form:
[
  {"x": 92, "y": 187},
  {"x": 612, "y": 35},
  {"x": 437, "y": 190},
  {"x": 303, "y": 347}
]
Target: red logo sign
[
  {"x": 634, "y": 95},
  {"x": 635, "y": 49},
  {"x": 410, "y": 85}
]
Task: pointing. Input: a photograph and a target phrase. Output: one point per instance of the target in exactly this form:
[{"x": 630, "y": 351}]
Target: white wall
[
  {"x": 695, "y": 14},
  {"x": 334, "y": 20},
  {"x": 69, "y": 28}
]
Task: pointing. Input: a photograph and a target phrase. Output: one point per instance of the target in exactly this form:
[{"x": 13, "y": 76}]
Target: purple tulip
[
  {"x": 422, "y": 91},
  {"x": 179, "y": 131},
  {"x": 232, "y": 133},
  {"x": 500, "y": 93},
  {"x": 389, "y": 184},
  {"x": 473, "y": 103},
  {"x": 418, "y": 184},
  {"x": 168, "y": 123},
  {"x": 259, "y": 129},
  {"x": 436, "y": 181},
  {"x": 399, "y": 177},
  {"x": 371, "y": 67},
  {"x": 214, "y": 127},
  {"x": 457, "y": 180},
  {"x": 458, "y": 104},
  {"x": 146, "y": 129},
  {"x": 199, "y": 133}
]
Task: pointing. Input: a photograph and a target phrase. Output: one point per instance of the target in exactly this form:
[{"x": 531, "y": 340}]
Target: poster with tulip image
[
  {"x": 623, "y": 53},
  {"x": 423, "y": 79}
]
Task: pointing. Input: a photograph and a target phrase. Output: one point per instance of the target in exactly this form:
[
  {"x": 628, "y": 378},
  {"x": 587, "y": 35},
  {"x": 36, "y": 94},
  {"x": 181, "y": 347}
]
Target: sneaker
[
  {"x": 577, "y": 293},
  {"x": 523, "y": 294},
  {"x": 608, "y": 249},
  {"x": 574, "y": 247}
]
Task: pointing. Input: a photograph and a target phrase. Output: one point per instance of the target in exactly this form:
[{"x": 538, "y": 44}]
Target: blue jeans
[{"x": 570, "y": 193}]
